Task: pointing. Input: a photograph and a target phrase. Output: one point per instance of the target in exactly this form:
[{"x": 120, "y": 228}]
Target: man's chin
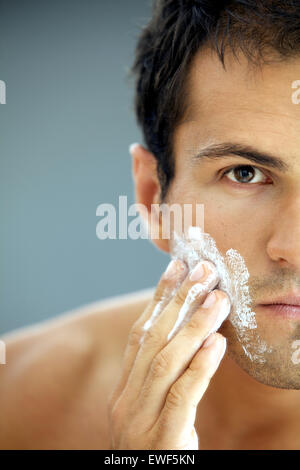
[
  {"x": 274, "y": 372},
  {"x": 271, "y": 357}
]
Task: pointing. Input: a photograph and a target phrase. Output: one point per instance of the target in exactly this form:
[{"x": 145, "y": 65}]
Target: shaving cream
[{"x": 233, "y": 279}]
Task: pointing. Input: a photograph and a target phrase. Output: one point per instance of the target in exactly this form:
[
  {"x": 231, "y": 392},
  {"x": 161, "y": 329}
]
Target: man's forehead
[
  {"x": 242, "y": 104},
  {"x": 241, "y": 86}
]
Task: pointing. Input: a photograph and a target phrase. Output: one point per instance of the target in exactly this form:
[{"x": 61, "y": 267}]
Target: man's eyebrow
[{"x": 225, "y": 149}]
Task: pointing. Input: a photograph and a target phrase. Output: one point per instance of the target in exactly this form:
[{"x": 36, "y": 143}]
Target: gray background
[{"x": 64, "y": 136}]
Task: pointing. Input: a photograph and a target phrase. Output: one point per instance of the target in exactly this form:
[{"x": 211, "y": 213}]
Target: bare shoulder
[{"x": 59, "y": 373}]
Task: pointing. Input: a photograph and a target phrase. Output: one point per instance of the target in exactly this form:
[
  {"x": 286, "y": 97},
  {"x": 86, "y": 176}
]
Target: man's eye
[{"x": 245, "y": 174}]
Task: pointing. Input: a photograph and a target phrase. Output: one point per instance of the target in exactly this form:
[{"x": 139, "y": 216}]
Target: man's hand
[{"x": 154, "y": 404}]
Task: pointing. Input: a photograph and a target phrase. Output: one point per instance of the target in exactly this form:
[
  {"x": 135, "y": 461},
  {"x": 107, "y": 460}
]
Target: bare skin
[
  {"x": 60, "y": 375},
  {"x": 59, "y": 378}
]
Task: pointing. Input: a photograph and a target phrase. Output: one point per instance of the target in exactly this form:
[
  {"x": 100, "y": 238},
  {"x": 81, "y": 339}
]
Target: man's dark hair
[{"x": 261, "y": 29}]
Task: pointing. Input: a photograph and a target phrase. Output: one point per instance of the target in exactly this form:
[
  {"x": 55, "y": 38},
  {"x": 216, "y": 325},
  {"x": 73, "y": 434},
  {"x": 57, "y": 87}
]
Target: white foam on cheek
[{"x": 234, "y": 276}]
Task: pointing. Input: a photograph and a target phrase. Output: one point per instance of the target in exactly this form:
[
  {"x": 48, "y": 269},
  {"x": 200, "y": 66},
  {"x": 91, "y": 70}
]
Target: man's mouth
[{"x": 287, "y": 306}]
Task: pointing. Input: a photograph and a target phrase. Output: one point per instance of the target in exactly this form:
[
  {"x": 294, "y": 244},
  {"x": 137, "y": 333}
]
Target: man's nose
[{"x": 284, "y": 243}]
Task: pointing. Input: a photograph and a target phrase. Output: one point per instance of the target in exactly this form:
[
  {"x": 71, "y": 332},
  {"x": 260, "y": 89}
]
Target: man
[{"x": 217, "y": 101}]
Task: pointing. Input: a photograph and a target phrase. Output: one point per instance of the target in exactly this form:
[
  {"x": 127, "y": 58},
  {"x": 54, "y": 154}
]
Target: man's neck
[{"x": 240, "y": 406}]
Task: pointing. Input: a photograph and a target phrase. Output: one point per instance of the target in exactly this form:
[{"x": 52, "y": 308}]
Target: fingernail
[
  {"x": 221, "y": 311},
  {"x": 220, "y": 350},
  {"x": 200, "y": 271},
  {"x": 210, "y": 300},
  {"x": 174, "y": 268}
]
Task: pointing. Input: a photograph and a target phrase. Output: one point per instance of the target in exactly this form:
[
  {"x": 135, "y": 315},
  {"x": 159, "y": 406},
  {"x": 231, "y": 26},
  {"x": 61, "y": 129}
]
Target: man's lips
[
  {"x": 286, "y": 300},
  {"x": 287, "y": 306}
]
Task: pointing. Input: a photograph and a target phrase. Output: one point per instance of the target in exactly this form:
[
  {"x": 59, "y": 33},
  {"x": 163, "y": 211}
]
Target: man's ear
[{"x": 147, "y": 187}]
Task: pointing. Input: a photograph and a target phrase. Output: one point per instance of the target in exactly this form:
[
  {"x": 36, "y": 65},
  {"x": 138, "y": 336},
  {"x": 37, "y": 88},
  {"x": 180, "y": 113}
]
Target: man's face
[{"x": 255, "y": 209}]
